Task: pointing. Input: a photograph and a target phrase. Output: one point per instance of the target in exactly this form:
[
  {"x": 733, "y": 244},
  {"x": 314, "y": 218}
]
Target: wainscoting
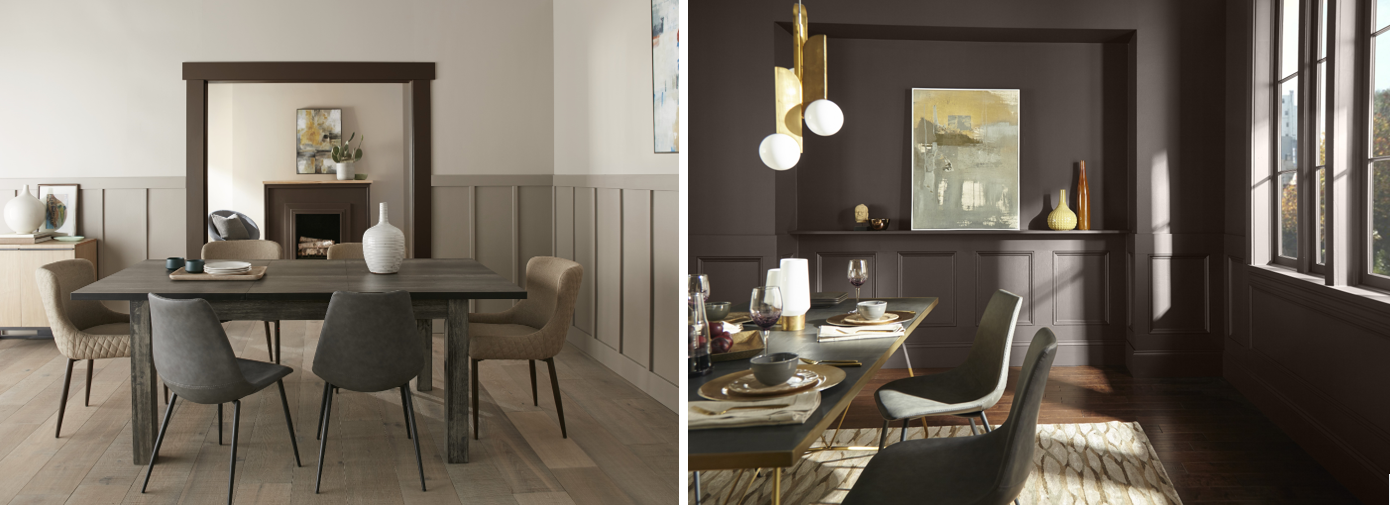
[{"x": 622, "y": 229}]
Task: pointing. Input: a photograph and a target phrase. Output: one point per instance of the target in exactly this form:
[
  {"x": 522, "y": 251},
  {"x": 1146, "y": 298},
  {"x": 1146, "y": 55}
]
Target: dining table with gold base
[{"x": 777, "y": 447}]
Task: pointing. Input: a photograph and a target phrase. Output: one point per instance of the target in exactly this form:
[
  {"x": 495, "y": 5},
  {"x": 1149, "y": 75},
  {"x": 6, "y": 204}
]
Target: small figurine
[{"x": 861, "y": 217}]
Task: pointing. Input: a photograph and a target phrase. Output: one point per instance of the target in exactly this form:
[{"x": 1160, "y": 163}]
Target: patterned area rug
[{"x": 1110, "y": 463}]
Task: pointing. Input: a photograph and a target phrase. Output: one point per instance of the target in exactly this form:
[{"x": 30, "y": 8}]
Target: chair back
[
  {"x": 369, "y": 342},
  {"x": 66, "y": 316},
  {"x": 986, "y": 369},
  {"x": 552, "y": 286},
  {"x": 192, "y": 353},
  {"x": 345, "y": 251},
  {"x": 242, "y": 250},
  {"x": 1018, "y": 435},
  {"x": 251, "y": 228}
]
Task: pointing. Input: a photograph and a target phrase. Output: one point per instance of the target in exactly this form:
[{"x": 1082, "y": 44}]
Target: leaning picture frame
[{"x": 61, "y": 206}]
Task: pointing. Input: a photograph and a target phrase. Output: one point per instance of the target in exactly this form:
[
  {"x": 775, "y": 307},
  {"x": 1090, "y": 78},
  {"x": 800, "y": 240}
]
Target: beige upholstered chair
[
  {"x": 533, "y": 329},
  {"x": 249, "y": 250},
  {"x": 83, "y": 329},
  {"x": 345, "y": 251}
]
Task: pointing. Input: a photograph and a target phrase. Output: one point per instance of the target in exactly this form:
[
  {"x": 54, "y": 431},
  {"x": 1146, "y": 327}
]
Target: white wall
[
  {"x": 260, "y": 144},
  {"x": 94, "y": 88},
  {"x": 603, "y": 89}
]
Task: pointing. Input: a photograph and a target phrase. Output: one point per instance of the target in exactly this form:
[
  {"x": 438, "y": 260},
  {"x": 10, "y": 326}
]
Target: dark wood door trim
[{"x": 197, "y": 75}]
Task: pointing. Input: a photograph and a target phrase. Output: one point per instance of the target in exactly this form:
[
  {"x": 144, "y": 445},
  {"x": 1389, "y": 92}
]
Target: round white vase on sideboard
[
  {"x": 383, "y": 246},
  {"x": 345, "y": 170},
  {"x": 24, "y": 213}
]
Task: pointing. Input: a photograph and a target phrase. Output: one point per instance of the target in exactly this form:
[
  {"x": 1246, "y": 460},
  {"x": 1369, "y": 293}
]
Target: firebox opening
[{"x": 316, "y": 232}]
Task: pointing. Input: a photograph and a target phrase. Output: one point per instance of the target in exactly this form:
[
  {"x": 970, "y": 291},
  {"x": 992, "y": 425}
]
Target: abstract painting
[
  {"x": 60, "y": 209},
  {"x": 665, "y": 79},
  {"x": 964, "y": 159},
  {"x": 316, "y": 130}
]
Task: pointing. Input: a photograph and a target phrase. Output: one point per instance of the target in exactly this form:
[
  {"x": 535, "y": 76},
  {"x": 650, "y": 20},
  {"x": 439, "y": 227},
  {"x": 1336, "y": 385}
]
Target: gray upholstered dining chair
[
  {"x": 966, "y": 390},
  {"x": 246, "y": 250},
  {"x": 345, "y": 251},
  {"x": 195, "y": 360},
  {"x": 369, "y": 344},
  {"x": 83, "y": 329},
  {"x": 215, "y": 234},
  {"x": 989, "y": 469},
  {"x": 533, "y": 329}
]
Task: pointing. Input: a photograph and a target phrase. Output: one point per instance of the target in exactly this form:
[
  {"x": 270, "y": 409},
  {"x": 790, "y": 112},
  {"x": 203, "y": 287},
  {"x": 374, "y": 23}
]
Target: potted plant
[{"x": 344, "y": 156}]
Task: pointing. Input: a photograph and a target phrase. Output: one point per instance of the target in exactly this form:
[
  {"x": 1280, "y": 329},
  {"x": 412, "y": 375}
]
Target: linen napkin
[
  {"x": 829, "y": 333},
  {"x": 798, "y": 410}
]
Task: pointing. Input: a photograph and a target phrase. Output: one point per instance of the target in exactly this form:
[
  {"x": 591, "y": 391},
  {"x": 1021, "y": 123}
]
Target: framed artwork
[
  {"x": 60, "y": 208},
  {"x": 665, "y": 76},
  {"x": 316, "y": 131},
  {"x": 964, "y": 159}
]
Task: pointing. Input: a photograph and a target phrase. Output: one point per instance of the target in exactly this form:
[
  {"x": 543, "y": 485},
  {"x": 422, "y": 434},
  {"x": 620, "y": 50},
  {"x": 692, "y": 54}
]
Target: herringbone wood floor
[{"x": 622, "y": 445}]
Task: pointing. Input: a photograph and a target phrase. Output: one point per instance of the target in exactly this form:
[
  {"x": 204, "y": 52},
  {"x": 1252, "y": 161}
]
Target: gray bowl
[
  {"x": 774, "y": 369},
  {"x": 717, "y": 311}
]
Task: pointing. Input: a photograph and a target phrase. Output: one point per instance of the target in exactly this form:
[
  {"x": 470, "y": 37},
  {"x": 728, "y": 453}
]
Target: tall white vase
[
  {"x": 24, "y": 213},
  {"x": 383, "y": 246}
]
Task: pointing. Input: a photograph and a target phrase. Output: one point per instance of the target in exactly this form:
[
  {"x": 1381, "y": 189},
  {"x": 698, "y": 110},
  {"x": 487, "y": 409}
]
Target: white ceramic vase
[
  {"x": 24, "y": 213},
  {"x": 345, "y": 171},
  {"x": 383, "y": 246}
]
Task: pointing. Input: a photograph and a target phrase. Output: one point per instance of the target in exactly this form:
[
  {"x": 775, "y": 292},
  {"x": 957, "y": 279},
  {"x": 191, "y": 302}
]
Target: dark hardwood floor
[{"x": 1216, "y": 446}]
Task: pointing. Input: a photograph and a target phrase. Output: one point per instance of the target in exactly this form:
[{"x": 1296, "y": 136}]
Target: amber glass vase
[{"x": 1083, "y": 202}]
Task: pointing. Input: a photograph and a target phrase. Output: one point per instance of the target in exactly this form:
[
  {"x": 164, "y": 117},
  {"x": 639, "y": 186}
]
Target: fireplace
[{"x": 306, "y": 217}]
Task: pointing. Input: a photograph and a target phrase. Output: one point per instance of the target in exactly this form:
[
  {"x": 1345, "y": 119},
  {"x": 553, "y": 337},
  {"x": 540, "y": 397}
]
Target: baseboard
[
  {"x": 1339, "y": 456},
  {"x": 1156, "y": 364},
  {"x": 655, "y": 386}
]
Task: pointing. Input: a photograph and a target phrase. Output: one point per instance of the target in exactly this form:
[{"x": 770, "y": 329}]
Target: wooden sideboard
[{"x": 21, "y": 309}]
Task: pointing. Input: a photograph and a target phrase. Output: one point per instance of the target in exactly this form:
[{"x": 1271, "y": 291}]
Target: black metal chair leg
[
  {"x": 278, "y": 353},
  {"x": 405, "y": 409},
  {"x": 986, "y": 422},
  {"x": 902, "y": 437},
  {"x": 219, "y": 424},
  {"x": 319, "y": 432},
  {"x": 883, "y": 436},
  {"x": 269, "y": 348},
  {"x": 63, "y": 402},
  {"x": 289, "y": 423},
  {"x": 535, "y": 398},
  {"x": 697, "y": 488},
  {"x": 327, "y": 414},
  {"x": 972, "y": 426},
  {"x": 87, "y": 399},
  {"x": 410, "y": 413},
  {"x": 474, "y": 382},
  {"x": 559, "y": 406},
  {"x": 168, "y": 412},
  {"x": 236, "y": 429}
]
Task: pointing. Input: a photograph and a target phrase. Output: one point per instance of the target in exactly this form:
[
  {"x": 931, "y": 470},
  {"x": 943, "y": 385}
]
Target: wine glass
[
  {"x": 858, "y": 274},
  {"x": 765, "y": 308}
]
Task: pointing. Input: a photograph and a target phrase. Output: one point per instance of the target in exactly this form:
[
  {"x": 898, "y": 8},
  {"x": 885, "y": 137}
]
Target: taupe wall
[{"x": 621, "y": 228}]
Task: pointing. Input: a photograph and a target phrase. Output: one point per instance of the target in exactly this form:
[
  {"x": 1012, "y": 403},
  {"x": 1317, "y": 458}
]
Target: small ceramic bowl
[
  {"x": 774, "y": 369},
  {"x": 717, "y": 311},
  {"x": 193, "y": 266},
  {"x": 360, "y": 177},
  {"x": 173, "y": 263},
  {"x": 872, "y": 310},
  {"x": 879, "y": 224}
]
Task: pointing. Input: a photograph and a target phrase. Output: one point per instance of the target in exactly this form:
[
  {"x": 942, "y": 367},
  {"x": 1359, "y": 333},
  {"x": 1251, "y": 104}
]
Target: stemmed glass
[
  {"x": 858, "y": 275},
  {"x": 698, "y": 283},
  {"x": 765, "y": 308}
]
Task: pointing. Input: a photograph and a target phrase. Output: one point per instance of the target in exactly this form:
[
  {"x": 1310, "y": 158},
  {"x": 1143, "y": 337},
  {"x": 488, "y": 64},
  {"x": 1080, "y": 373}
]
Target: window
[
  {"x": 1378, "y": 145},
  {"x": 1301, "y": 69},
  {"x": 1287, "y": 162}
]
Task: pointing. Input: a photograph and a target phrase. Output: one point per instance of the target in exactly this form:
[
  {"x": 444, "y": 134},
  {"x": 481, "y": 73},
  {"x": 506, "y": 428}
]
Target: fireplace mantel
[{"x": 349, "y": 200}]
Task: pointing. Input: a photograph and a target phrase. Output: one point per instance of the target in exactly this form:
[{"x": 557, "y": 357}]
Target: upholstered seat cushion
[
  {"x": 949, "y": 392},
  {"x": 507, "y": 341},
  {"x": 954, "y": 470},
  {"x": 261, "y": 374}
]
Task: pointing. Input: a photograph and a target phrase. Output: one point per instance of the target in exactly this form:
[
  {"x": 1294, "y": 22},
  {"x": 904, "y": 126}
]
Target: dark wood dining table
[
  {"x": 780, "y": 446},
  {"x": 300, "y": 290}
]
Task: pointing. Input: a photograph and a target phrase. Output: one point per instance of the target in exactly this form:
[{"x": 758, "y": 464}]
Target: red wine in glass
[
  {"x": 765, "y": 308},
  {"x": 858, "y": 275}
]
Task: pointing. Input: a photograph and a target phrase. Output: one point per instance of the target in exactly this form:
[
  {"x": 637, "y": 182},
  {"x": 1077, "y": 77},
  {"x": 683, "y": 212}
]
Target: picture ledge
[{"x": 960, "y": 232}]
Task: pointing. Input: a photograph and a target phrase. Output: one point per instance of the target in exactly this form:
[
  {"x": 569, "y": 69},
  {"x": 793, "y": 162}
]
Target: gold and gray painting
[
  {"x": 964, "y": 159},
  {"x": 316, "y": 130}
]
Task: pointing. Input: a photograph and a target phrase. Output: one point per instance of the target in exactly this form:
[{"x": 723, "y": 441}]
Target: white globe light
[
  {"x": 824, "y": 117},
  {"x": 779, "y": 151}
]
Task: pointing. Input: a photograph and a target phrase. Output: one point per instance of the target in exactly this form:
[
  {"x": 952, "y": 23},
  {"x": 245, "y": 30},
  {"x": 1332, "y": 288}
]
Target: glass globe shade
[
  {"x": 779, "y": 151},
  {"x": 824, "y": 117}
]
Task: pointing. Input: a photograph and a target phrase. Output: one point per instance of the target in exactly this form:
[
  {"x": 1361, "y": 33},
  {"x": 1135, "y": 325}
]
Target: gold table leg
[{"x": 777, "y": 486}]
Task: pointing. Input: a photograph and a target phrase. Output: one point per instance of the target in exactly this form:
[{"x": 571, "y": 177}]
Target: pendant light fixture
[{"x": 800, "y": 94}]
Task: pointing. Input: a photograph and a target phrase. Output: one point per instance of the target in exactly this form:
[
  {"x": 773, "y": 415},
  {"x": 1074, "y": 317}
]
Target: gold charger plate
[
  {"x": 854, "y": 319},
  {"x": 748, "y": 385},
  {"x": 715, "y": 389}
]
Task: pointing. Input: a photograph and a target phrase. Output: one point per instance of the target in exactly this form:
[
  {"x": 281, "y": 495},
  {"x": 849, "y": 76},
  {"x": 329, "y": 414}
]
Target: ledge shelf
[{"x": 961, "y": 232}]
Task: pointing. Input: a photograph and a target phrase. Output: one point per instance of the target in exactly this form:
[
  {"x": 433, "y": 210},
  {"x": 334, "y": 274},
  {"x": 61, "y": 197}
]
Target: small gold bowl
[{"x": 879, "y": 224}]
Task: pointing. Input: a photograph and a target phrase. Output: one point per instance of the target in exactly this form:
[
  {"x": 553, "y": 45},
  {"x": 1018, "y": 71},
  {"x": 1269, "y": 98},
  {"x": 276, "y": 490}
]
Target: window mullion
[{"x": 1307, "y": 120}]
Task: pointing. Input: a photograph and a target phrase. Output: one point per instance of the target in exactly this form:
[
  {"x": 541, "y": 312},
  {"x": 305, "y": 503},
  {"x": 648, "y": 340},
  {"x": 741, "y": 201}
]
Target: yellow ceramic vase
[{"x": 1062, "y": 218}]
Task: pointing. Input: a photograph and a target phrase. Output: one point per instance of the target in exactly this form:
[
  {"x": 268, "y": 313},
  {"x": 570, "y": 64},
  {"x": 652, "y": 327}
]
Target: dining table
[
  {"x": 300, "y": 290},
  {"x": 781, "y": 446}
]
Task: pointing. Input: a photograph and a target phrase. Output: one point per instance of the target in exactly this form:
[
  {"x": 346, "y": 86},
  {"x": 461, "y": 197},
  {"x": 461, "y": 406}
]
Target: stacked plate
[{"x": 226, "y": 267}]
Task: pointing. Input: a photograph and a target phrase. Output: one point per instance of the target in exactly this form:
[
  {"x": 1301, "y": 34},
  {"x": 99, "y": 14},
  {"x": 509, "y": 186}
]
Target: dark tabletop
[
  {"x": 778, "y": 446},
  {"x": 425, "y": 279}
]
